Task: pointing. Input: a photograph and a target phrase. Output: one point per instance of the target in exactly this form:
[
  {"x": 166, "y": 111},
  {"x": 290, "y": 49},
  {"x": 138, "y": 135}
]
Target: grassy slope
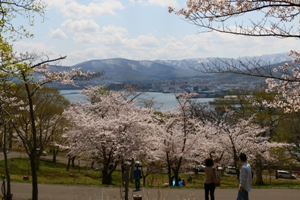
[{"x": 51, "y": 173}]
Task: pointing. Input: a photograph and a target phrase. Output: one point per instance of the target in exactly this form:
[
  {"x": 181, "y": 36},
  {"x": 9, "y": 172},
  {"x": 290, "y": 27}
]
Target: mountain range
[{"x": 123, "y": 70}]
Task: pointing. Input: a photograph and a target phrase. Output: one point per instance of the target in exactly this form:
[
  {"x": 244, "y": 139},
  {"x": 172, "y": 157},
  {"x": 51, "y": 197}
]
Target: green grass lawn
[{"x": 51, "y": 173}]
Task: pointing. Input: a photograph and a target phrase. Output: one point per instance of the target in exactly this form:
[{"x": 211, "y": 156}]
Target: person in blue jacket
[{"x": 137, "y": 175}]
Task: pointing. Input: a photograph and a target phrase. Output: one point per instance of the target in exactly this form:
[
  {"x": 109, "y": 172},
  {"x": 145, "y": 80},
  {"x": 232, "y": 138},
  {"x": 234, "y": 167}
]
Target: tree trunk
[
  {"x": 7, "y": 189},
  {"x": 33, "y": 153},
  {"x": 145, "y": 174},
  {"x": 73, "y": 161},
  {"x": 235, "y": 159},
  {"x": 69, "y": 162},
  {"x": 37, "y": 164},
  {"x": 176, "y": 172},
  {"x": 131, "y": 170},
  {"x": 106, "y": 177},
  {"x": 126, "y": 182},
  {"x": 10, "y": 138},
  {"x": 258, "y": 168},
  {"x": 54, "y": 153},
  {"x": 170, "y": 177},
  {"x": 108, "y": 169},
  {"x": 237, "y": 173},
  {"x": 176, "y": 177},
  {"x": 144, "y": 180},
  {"x": 34, "y": 175}
]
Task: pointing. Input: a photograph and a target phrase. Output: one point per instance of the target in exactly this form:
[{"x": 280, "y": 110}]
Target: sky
[{"x": 86, "y": 30}]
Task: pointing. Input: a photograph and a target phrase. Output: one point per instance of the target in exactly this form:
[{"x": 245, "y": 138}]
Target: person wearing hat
[{"x": 137, "y": 175}]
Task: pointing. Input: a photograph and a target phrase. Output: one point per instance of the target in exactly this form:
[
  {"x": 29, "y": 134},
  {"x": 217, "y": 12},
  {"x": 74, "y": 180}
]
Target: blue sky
[{"x": 134, "y": 29}]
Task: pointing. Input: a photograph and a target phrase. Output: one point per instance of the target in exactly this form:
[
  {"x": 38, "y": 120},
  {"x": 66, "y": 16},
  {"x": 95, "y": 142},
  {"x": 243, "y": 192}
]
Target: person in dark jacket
[
  {"x": 209, "y": 186},
  {"x": 137, "y": 175}
]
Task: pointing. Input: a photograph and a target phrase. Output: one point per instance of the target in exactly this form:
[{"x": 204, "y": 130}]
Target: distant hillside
[
  {"x": 124, "y": 70},
  {"x": 231, "y": 78},
  {"x": 120, "y": 70}
]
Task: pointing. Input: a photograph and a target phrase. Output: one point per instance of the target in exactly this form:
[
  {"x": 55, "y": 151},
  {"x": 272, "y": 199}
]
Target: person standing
[
  {"x": 245, "y": 178},
  {"x": 137, "y": 175},
  {"x": 190, "y": 179},
  {"x": 209, "y": 185}
]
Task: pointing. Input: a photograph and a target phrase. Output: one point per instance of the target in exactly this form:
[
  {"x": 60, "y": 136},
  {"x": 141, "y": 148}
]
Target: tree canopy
[
  {"x": 22, "y": 9},
  {"x": 272, "y": 18}
]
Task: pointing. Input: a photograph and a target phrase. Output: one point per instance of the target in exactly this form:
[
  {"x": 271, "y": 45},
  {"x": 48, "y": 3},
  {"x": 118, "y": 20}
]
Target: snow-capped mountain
[{"x": 126, "y": 70}]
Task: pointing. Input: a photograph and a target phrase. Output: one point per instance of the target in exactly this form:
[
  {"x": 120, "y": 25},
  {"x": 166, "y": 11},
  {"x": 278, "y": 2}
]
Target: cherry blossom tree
[
  {"x": 277, "y": 19},
  {"x": 21, "y": 68},
  {"x": 276, "y": 16},
  {"x": 110, "y": 129},
  {"x": 179, "y": 134},
  {"x": 5, "y": 132},
  {"x": 242, "y": 136},
  {"x": 239, "y": 137},
  {"x": 6, "y": 102},
  {"x": 242, "y": 125},
  {"x": 273, "y": 19},
  {"x": 48, "y": 106}
]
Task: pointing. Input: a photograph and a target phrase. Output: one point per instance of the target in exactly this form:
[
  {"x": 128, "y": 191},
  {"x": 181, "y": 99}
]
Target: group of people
[
  {"x": 180, "y": 182},
  {"x": 245, "y": 179}
]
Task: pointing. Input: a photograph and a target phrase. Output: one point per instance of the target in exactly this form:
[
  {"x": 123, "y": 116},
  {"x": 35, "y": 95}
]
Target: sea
[{"x": 162, "y": 101}]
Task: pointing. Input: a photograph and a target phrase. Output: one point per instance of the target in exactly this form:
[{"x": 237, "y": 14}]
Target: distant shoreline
[{"x": 78, "y": 92}]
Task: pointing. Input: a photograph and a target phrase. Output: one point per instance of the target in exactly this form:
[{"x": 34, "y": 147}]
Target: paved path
[
  {"x": 16, "y": 154},
  {"x": 49, "y": 157},
  {"x": 22, "y": 191}
]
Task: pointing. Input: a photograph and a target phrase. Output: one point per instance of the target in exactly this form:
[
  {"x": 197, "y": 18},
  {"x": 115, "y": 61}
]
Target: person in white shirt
[{"x": 245, "y": 179}]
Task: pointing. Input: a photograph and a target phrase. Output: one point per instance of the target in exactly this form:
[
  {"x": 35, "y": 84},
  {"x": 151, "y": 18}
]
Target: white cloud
[
  {"x": 33, "y": 47},
  {"x": 85, "y": 39},
  {"x": 151, "y": 48},
  {"x": 172, "y": 48},
  {"x": 74, "y": 9},
  {"x": 80, "y": 26},
  {"x": 227, "y": 45},
  {"x": 112, "y": 42},
  {"x": 136, "y": 1},
  {"x": 108, "y": 35},
  {"x": 58, "y": 34},
  {"x": 165, "y": 3},
  {"x": 112, "y": 35},
  {"x": 116, "y": 37},
  {"x": 114, "y": 30},
  {"x": 86, "y": 54},
  {"x": 146, "y": 41},
  {"x": 55, "y": 3}
]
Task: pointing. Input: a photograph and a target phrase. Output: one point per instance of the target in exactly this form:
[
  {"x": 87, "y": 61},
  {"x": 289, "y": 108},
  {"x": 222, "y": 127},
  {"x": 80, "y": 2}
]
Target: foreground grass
[{"x": 50, "y": 173}]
